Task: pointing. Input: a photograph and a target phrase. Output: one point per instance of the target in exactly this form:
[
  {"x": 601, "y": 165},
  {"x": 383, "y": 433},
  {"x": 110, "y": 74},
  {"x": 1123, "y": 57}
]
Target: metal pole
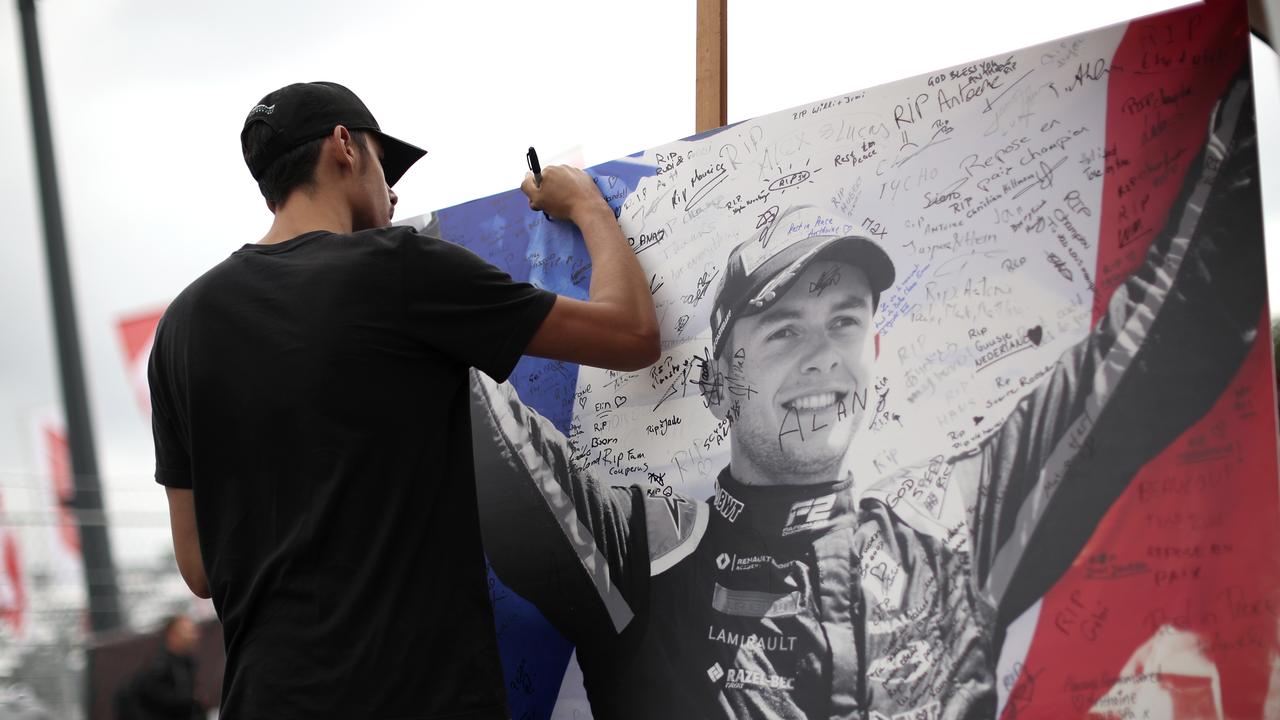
[{"x": 99, "y": 571}]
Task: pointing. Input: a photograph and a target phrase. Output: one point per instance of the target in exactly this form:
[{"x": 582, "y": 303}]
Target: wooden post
[
  {"x": 1264, "y": 18},
  {"x": 712, "y": 103}
]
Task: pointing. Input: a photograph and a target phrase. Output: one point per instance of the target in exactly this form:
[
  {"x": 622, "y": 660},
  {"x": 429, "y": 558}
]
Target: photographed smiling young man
[
  {"x": 310, "y": 415},
  {"x": 793, "y": 351}
]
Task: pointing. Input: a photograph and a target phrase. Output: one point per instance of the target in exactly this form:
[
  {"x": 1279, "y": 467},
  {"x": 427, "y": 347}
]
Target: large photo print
[{"x": 965, "y": 407}]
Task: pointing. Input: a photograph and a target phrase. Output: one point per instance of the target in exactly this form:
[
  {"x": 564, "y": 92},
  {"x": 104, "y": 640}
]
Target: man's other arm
[
  {"x": 173, "y": 461},
  {"x": 186, "y": 545},
  {"x": 1173, "y": 337},
  {"x": 616, "y": 328}
]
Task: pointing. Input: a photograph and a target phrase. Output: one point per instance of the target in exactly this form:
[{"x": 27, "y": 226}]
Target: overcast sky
[{"x": 147, "y": 99}]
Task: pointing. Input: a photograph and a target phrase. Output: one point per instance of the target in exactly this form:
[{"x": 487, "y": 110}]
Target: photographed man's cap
[
  {"x": 763, "y": 267},
  {"x": 303, "y": 112}
]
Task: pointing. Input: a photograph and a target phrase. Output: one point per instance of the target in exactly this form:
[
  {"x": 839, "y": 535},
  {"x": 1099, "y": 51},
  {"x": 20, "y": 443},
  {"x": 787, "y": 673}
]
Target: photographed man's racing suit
[{"x": 808, "y": 602}]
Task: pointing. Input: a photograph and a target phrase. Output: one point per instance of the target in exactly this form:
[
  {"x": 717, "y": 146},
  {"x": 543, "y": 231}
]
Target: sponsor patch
[
  {"x": 755, "y": 604},
  {"x": 769, "y": 642},
  {"x": 731, "y": 562},
  {"x": 727, "y": 505},
  {"x": 715, "y": 672},
  {"x": 809, "y": 514},
  {"x": 738, "y": 678},
  {"x": 750, "y": 562}
]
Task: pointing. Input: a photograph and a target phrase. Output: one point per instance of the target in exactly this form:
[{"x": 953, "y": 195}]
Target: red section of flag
[
  {"x": 1165, "y": 78},
  {"x": 64, "y": 491},
  {"x": 1189, "y": 547},
  {"x": 1188, "y": 550}
]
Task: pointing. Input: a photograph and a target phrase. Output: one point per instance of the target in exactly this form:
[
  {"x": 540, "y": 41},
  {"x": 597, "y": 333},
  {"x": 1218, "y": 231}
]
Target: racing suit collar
[{"x": 783, "y": 510}]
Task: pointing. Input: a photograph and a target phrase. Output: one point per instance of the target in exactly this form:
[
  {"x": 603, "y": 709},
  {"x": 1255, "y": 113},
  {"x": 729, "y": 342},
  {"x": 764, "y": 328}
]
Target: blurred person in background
[{"x": 165, "y": 689}]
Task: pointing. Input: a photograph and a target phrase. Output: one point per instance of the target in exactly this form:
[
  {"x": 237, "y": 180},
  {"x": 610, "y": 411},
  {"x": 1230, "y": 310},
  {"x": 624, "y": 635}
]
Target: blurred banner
[
  {"x": 137, "y": 332},
  {"x": 55, "y": 498},
  {"x": 13, "y": 589},
  {"x": 965, "y": 407}
]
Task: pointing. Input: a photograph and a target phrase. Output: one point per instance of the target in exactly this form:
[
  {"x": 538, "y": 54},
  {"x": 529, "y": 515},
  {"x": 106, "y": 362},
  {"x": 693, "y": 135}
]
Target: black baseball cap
[
  {"x": 302, "y": 112},
  {"x": 762, "y": 268}
]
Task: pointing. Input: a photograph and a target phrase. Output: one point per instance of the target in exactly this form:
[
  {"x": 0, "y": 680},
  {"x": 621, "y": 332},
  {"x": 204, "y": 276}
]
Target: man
[
  {"x": 309, "y": 399},
  {"x": 165, "y": 690},
  {"x": 788, "y": 594}
]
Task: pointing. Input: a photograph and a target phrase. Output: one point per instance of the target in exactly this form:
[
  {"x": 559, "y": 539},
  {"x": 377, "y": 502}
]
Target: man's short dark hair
[{"x": 294, "y": 170}]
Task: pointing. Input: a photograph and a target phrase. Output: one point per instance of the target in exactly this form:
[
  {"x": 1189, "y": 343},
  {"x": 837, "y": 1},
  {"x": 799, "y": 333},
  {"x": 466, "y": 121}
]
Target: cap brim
[{"x": 397, "y": 156}]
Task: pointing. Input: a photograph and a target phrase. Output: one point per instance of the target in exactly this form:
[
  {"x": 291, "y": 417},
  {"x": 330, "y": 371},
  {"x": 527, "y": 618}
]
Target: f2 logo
[{"x": 808, "y": 512}]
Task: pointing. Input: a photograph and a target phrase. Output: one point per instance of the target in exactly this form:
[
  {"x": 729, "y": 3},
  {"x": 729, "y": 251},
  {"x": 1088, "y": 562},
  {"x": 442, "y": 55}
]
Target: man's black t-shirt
[{"x": 313, "y": 395}]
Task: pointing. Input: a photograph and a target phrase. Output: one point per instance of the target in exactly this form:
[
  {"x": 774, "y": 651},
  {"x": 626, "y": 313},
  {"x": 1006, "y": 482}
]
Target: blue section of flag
[
  {"x": 503, "y": 230},
  {"x": 533, "y": 654}
]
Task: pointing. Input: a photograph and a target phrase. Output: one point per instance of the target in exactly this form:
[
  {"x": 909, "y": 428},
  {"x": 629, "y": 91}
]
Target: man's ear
[{"x": 343, "y": 147}]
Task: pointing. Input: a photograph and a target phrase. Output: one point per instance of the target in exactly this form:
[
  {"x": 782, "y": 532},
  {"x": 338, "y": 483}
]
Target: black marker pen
[{"x": 534, "y": 166}]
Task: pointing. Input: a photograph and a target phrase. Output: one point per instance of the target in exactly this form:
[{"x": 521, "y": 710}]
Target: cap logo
[
  {"x": 720, "y": 319},
  {"x": 718, "y": 314},
  {"x": 262, "y": 110}
]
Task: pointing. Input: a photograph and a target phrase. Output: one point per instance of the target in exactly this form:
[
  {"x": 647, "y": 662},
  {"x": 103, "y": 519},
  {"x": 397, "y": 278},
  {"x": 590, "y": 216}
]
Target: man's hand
[
  {"x": 616, "y": 328},
  {"x": 565, "y": 192}
]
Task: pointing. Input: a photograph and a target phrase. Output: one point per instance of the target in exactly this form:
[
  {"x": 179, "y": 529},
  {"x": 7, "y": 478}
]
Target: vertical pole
[
  {"x": 100, "y": 575},
  {"x": 1263, "y": 19},
  {"x": 712, "y": 103}
]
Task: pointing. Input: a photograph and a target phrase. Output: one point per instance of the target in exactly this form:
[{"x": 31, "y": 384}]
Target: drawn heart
[
  {"x": 619, "y": 400},
  {"x": 877, "y": 572},
  {"x": 582, "y": 401},
  {"x": 1035, "y": 335},
  {"x": 977, "y": 419}
]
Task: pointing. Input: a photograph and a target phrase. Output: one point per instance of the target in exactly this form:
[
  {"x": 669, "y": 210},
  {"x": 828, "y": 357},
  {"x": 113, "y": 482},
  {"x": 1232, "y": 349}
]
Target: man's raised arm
[
  {"x": 616, "y": 328},
  {"x": 1174, "y": 335}
]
